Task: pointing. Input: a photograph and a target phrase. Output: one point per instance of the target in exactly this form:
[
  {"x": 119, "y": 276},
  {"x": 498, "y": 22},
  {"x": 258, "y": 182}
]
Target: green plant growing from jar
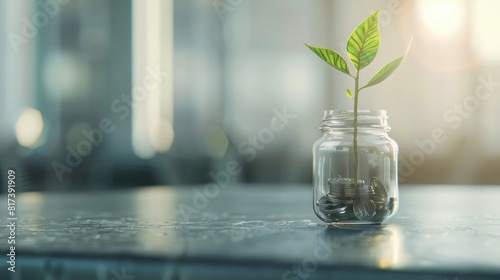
[{"x": 362, "y": 48}]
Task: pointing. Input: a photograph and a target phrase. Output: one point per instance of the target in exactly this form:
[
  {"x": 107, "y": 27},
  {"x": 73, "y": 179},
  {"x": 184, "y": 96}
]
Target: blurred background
[{"x": 122, "y": 93}]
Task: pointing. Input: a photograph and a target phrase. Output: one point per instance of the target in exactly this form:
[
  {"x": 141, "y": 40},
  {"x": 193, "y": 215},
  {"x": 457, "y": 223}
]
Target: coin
[
  {"x": 328, "y": 206},
  {"x": 381, "y": 214},
  {"x": 341, "y": 200},
  {"x": 340, "y": 194},
  {"x": 344, "y": 215},
  {"x": 364, "y": 209},
  {"x": 378, "y": 199},
  {"x": 378, "y": 187},
  {"x": 347, "y": 200},
  {"x": 344, "y": 186},
  {"x": 334, "y": 209},
  {"x": 323, "y": 200},
  {"x": 340, "y": 181}
]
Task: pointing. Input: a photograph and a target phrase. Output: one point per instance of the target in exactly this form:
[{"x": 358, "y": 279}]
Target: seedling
[{"x": 362, "y": 47}]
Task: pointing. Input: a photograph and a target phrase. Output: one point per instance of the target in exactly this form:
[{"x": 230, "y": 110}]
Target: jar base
[{"x": 355, "y": 224}]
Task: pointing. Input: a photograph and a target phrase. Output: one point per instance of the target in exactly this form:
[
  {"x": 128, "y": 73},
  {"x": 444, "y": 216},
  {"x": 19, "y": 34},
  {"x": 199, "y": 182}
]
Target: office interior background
[{"x": 98, "y": 94}]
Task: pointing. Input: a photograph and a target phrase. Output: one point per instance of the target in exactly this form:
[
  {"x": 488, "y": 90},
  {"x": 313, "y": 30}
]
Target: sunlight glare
[{"x": 443, "y": 18}]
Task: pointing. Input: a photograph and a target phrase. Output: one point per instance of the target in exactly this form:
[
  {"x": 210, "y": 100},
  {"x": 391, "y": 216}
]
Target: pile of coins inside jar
[{"x": 349, "y": 201}]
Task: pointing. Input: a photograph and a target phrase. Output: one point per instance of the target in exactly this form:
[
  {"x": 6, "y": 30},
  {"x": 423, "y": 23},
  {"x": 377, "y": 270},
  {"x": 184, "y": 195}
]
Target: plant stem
[{"x": 356, "y": 93}]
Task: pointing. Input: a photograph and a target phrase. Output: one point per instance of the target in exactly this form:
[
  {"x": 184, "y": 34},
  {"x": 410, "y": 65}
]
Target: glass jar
[{"x": 341, "y": 159}]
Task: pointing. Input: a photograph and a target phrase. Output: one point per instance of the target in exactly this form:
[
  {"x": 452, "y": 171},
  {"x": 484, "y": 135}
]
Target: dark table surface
[{"x": 250, "y": 232}]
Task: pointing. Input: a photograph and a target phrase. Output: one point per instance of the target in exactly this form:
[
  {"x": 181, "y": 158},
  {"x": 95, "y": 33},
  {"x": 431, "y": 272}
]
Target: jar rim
[
  {"x": 343, "y": 120},
  {"x": 344, "y": 112}
]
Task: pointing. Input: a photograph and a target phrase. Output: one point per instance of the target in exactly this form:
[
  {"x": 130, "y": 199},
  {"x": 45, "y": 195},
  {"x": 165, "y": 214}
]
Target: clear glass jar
[{"x": 374, "y": 198}]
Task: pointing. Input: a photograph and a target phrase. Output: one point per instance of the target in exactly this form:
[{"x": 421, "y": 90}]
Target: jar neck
[{"x": 373, "y": 121}]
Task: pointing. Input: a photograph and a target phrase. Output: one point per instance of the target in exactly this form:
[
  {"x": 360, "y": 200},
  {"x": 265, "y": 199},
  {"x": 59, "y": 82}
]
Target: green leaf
[
  {"x": 363, "y": 44},
  {"x": 348, "y": 93},
  {"x": 385, "y": 72},
  {"x": 331, "y": 57}
]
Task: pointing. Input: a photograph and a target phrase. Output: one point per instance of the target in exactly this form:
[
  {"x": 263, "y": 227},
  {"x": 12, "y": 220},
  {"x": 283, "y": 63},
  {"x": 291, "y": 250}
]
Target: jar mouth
[
  {"x": 361, "y": 113},
  {"x": 344, "y": 120}
]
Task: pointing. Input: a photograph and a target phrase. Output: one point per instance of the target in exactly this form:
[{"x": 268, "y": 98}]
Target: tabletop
[{"x": 249, "y": 232}]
